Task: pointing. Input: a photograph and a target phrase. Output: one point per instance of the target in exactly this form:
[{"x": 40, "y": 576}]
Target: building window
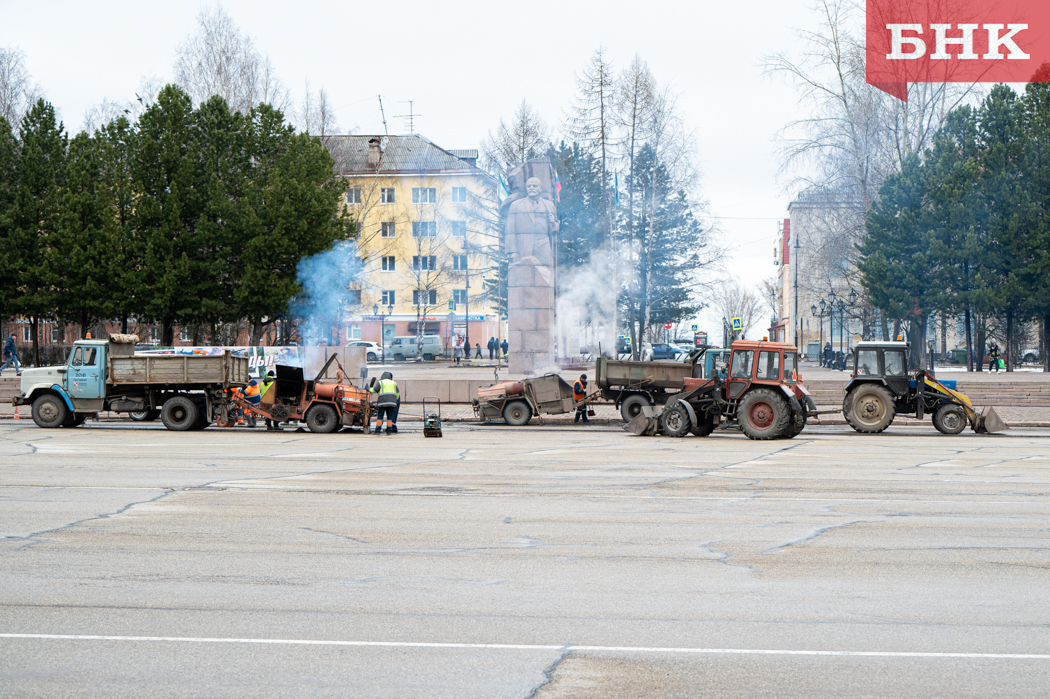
[
  {"x": 27, "y": 333},
  {"x": 459, "y": 296},
  {"x": 424, "y": 229},
  {"x": 424, "y": 195},
  {"x": 386, "y": 196},
  {"x": 424, "y": 262},
  {"x": 353, "y": 297},
  {"x": 154, "y": 334},
  {"x": 388, "y": 263},
  {"x": 386, "y": 229},
  {"x": 459, "y": 262},
  {"x": 459, "y": 194},
  {"x": 429, "y": 297},
  {"x": 353, "y": 332},
  {"x": 459, "y": 229},
  {"x": 353, "y": 196},
  {"x": 184, "y": 335},
  {"x": 387, "y": 298}
]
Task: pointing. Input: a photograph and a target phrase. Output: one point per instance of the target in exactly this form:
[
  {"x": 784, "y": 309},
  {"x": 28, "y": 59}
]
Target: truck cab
[{"x": 65, "y": 395}]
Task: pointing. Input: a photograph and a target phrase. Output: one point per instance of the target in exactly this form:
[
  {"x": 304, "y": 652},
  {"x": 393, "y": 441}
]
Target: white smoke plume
[
  {"x": 586, "y": 310},
  {"x": 326, "y": 278}
]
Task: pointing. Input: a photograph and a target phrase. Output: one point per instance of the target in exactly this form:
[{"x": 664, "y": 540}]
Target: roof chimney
[{"x": 375, "y": 152}]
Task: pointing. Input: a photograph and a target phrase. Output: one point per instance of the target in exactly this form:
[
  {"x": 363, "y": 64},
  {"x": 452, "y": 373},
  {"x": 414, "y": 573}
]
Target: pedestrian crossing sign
[
  {"x": 694, "y": 328},
  {"x": 738, "y": 324}
]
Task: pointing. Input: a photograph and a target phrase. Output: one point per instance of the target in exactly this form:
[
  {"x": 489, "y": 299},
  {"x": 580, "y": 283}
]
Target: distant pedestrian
[
  {"x": 457, "y": 351},
  {"x": 993, "y": 357},
  {"x": 579, "y": 394},
  {"x": 827, "y": 355},
  {"x": 477, "y": 346},
  {"x": 492, "y": 347},
  {"x": 11, "y": 356},
  {"x": 504, "y": 347}
]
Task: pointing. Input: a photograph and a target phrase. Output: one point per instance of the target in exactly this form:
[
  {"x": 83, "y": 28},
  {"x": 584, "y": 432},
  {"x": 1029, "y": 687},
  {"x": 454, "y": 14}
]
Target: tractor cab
[{"x": 882, "y": 362}]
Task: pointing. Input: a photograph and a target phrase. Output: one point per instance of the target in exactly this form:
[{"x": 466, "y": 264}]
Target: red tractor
[{"x": 762, "y": 391}]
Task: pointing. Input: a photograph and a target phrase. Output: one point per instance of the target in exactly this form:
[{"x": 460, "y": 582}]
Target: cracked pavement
[{"x": 522, "y": 562}]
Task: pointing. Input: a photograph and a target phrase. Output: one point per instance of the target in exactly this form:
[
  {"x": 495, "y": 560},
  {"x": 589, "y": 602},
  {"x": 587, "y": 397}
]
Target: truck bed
[
  {"x": 615, "y": 373},
  {"x": 223, "y": 369}
]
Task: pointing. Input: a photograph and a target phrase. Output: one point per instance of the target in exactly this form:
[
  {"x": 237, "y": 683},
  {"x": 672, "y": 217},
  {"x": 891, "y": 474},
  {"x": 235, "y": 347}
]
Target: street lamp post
[
  {"x": 852, "y": 300},
  {"x": 823, "y": 306},
  {"x": 820, "y": 347},
  {"x": 842, "y": 322}
]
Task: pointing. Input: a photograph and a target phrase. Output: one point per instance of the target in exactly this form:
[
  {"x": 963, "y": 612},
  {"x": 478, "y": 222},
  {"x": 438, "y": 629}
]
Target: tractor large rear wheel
[
  {"x": 869, "y": 408},
  {"x": 949, "y": 419},
  {"x": 763, "y": 414}
]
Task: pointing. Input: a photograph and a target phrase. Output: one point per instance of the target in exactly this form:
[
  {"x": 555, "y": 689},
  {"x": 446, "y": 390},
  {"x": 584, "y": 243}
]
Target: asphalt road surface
[{"x": 522, "y": 562}]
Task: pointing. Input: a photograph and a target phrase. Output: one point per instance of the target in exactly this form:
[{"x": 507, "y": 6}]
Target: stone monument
[{"x": 530, "y": 225}]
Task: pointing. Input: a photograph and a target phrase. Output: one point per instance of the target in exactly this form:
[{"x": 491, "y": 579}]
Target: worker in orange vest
[{"x": 579, "y": 393}]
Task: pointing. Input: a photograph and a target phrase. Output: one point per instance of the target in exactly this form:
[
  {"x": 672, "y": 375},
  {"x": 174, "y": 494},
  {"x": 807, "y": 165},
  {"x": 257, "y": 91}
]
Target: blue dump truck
[{"x": 187, "y": 392}]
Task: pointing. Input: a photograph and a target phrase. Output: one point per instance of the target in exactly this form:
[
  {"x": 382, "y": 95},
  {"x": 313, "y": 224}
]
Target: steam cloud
[
  {"x": 325, "y": 278},
  {"x": 586, "y": 310}
]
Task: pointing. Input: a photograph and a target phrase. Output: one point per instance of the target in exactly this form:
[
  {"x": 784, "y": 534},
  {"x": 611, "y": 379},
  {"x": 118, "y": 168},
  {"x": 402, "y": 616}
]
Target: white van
[{"x": 404, "y": 347}]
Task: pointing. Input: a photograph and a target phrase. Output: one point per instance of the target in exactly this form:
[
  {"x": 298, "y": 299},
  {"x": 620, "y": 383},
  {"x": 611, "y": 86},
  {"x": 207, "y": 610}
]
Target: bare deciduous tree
[
  {"x": 526, "y": 137},
  {"x": 218, "y": 60},
  {"x": 735, "y": 301},
  {"x": 17, "y": 89}
]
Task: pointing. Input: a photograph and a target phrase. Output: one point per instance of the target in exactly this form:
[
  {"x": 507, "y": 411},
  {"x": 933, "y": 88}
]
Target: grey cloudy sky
[{"x": 465, "y": 64}]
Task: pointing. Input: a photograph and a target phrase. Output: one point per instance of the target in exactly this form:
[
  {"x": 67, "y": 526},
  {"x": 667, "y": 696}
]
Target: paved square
[{"x": 518, "y": 562}]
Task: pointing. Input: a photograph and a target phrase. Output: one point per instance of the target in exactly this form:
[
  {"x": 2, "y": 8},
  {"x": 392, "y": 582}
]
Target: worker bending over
[
  {"x": 579, "y": 393},
  {"x": 387, "y": 403}
]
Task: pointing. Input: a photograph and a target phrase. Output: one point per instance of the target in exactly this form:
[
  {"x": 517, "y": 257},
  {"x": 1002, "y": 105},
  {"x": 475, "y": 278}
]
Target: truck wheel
[
  {"x": 179, "y": 414},
  {"x": 949, "y": 419},
  {"x": 49, "y": 410},
  {"x": 517, "y": 413},
  {"x": 796, "y": 424},
  {"x": 399, "y": 357},
  {"x": 675, "y": 420},
  {"x": 763, "y": 414},
  {"x": 706, "y": 424},
  {"x": 868, "y": 408},
  {"x": 322, "y": 418},
  {"x": 148, "y": 415},
  {"x": 631, "y": 407}
]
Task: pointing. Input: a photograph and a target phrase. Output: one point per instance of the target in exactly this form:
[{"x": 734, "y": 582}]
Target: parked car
[
  {"x": 1030, "y": 356},
  {"x": 372, "y": 350},
  {"x": 660, "y": 350},
  {"x": 404, "y": 347}
]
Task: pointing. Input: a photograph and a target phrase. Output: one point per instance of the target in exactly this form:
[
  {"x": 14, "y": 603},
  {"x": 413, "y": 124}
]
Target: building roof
[{"x": 400, "y": 154}]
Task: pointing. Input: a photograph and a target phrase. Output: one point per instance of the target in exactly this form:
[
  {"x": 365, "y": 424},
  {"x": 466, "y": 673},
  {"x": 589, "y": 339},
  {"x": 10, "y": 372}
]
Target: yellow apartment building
[{"x": 428, "y": 239}]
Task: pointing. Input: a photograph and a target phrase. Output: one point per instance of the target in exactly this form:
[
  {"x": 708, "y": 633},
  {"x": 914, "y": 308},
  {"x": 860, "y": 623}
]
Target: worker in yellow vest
[{"x": 386, "y": 403}]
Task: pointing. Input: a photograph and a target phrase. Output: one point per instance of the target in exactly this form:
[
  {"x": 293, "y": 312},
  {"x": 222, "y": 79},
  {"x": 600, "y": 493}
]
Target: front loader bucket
[
  {"x": 989, "y": 421},
  {"x": 647, "y": 422}
]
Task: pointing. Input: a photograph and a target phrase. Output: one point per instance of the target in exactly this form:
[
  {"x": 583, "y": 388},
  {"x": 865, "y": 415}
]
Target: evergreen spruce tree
[{"x": 39, "y": 188}]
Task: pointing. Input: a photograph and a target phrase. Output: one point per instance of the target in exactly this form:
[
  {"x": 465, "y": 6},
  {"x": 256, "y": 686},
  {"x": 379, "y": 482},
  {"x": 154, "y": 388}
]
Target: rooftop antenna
[
  {"x": 383, "y": 114},
  {"x": 410, "y": 116}
]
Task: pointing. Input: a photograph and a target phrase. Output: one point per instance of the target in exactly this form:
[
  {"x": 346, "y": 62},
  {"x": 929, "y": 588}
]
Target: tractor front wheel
[
  {"x": 869, "y": 408},
  {"x": 675, "y": 420},
  {"x": 949, "y": 419},
  {"x": 763, "y": 414}
]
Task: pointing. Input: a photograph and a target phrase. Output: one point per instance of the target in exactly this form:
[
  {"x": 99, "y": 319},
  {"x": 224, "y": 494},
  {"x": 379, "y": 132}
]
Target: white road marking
[{"x": 510, "y": 646}]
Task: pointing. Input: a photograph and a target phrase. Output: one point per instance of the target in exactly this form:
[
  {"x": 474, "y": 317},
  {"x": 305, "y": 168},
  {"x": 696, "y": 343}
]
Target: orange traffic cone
[{"x": 16, "y": 413}]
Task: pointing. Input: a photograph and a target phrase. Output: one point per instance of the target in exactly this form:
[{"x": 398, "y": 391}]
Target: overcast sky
[{"x": 465, "y": 65}]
